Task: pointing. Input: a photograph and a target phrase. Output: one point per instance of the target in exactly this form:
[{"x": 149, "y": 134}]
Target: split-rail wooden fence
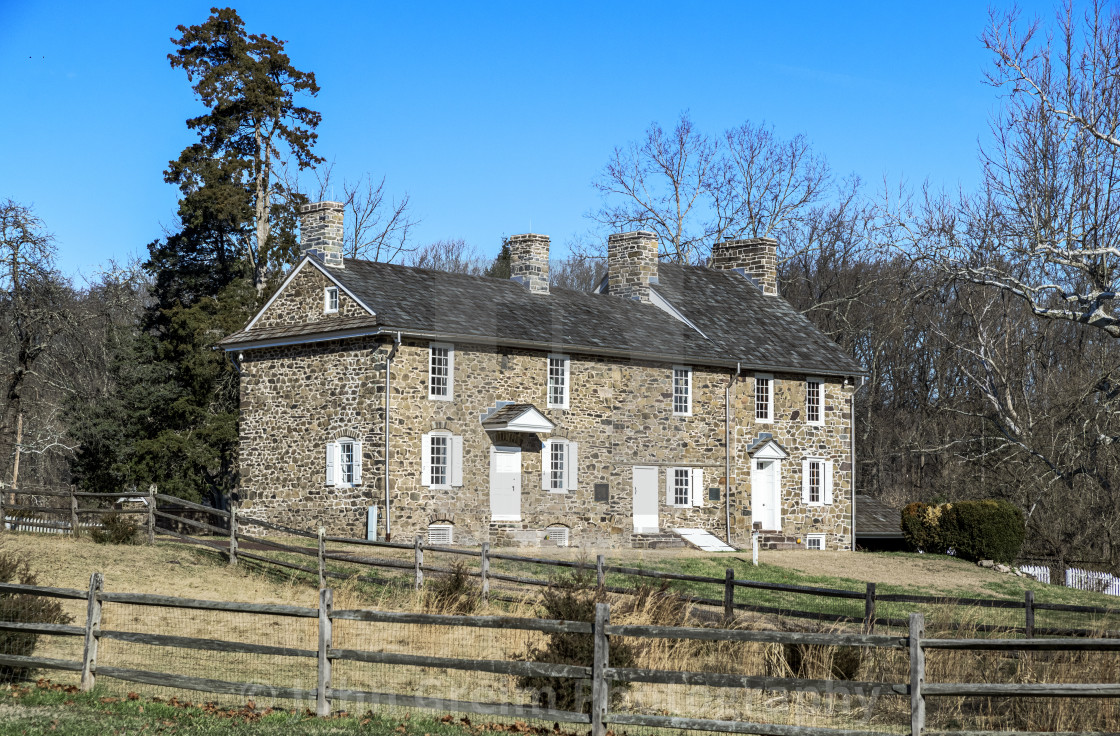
[
  {"x": 224, "y": 532},
  {"x": 599, "y": 673}
]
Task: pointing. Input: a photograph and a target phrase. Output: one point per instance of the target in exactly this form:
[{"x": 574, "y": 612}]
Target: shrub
[
  {"x": 116, "y": 530},
  {"x": 455, "y": 593},
  {"x": 984, "y": 530},
  {"x": 921, "y": 527},
  {"x": 16, "y": 568},
  {"x": 573, "y": 599}
]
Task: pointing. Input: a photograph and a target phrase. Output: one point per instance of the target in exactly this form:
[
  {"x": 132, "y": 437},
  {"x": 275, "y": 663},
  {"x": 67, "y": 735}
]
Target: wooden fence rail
[
  {"x": 232, "y": 527},
  {"x": 599, "y": 670}
]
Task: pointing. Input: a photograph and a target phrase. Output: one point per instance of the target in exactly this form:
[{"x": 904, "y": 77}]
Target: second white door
[
  {"x": 645, "y": 500},
  {"x": 766, "y": 496},
  {"x": 505, "y": 483}
]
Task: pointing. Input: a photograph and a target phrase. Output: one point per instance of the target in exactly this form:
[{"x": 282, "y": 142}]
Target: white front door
[
  {"x": 766, "y": 504},
  {"x": 645, "y": 500},
  {"x": 505, "y": 483}
]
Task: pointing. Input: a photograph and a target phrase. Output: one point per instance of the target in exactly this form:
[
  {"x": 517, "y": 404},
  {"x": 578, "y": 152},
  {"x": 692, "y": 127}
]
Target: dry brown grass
[{"x": 191, "y": 573}]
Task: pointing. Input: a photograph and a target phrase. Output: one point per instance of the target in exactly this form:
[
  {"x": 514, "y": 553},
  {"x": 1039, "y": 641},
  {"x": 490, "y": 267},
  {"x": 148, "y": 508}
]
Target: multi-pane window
[
  {"x": 346, "y": 463},
  {"x": 816, "y": 481},
  {"x": 813, "y": 391},
  {"x": 557, "y": 479},
  {"x": 330, "y": 299},
  {"x": 682, "y": 486},
  {"x": 763, "y": 398},
  {"x": 814, "y": 541},
  {"x": 682, "y": 390},
  {"x": 438, "y": 468},
  {"x": 558, "y": 381},
  {"x": 439, "y": 371}
]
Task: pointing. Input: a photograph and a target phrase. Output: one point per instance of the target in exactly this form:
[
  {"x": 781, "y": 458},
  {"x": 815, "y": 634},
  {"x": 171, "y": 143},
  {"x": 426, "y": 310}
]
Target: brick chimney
[
  {"x": 754, "y": 257},
  {"x": 320, "y": 225},
  {"x": 528, "y": 261},
  {"x": 631, "y": 264}
]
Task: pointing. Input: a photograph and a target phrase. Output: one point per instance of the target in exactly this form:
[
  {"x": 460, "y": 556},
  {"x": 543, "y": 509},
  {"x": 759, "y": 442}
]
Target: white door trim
[{"x": 767, "y": 482}]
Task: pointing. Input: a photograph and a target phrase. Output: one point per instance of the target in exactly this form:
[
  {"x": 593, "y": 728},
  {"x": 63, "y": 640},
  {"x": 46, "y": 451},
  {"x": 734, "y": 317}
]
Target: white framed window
[
  {"x": 441, "y": 460},
  {"x": 684, "y": 487},
  {"x": 344, "y": 463},
  {"x": 763, "y": 397},
  {"x": 814, "y": 401},
  {"x": 814, "y": 542},
  {"x": 682, "y": 390},
  {"x": 330, "y": 299},
  {"x": 441, "y": 534},
  {"x": 441, "y": 371},
  {"x": 557, "y": 535},
  {"x": 560, "y": 466},
  {"x": 558, "y": 381},
  {"x": 816, "y": 482}
]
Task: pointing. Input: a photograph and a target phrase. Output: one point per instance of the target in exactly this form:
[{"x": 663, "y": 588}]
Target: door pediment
[
  {"x": 767, "y": 448},
  {"x": 517, "y": 418}
]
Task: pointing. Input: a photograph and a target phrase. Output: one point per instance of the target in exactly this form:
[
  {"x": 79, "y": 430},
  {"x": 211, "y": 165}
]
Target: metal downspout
[
  {"x": 727, "y": 455},
  {"x": 388, "y": 372},
  {"x": 852, "y": 422}
]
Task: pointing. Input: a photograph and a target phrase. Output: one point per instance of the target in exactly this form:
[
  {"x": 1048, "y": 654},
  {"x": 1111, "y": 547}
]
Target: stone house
[{"x": 469, "y": 409}]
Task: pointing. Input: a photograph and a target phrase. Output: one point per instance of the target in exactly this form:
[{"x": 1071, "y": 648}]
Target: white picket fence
[{"x": 1098, "y": 582}]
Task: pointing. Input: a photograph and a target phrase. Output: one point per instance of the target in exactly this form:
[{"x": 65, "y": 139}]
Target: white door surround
[
  {"x": 766, "y": 485},
  {"x": 646, "y": 499},
  {"x": 505, "y": 483}
]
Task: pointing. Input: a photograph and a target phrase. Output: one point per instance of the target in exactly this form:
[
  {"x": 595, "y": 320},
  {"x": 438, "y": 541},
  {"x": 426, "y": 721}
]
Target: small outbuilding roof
[{"x": 876, "y": 520}]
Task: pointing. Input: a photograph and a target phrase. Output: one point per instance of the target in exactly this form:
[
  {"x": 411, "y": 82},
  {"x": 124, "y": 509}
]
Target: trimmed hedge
[
  {"x": 984, "y": 530},
  {"x": 973, "y": 530}
]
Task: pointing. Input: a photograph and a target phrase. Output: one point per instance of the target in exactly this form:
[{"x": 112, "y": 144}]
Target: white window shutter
[
  {"x": 827, "y": 483},
  {"x": 573, "y": 466},
  {"x": 805, "y": 482},
  {"x": 426, "y": 461},
  {"x": 669, "y": 486},
  {"x": 697, "y": 487},
  {"x": 357, "y": 463},
  {"x": 546, "y": 465},
  {"x": 331, "y": 453},
  {"x": 457, "y": 460}
]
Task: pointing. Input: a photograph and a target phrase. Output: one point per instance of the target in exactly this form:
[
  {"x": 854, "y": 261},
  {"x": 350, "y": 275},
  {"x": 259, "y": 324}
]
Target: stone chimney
[
  {"x": 631, "y": 264},
  {"x": 528, "y": 261},
  {"x": 320, "y": 225},
  {"x": 754, "y": 257}
]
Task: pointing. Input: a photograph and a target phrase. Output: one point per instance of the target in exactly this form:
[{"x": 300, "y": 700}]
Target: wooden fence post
[
  {"x": 869, "y": 609},
  {"x": 484, "y": 572},
  {"x": 93, "y": 631},
  {"x": 419, "y": 565},
  {"x": 1029, "y": 611},
  {"x": 233, "y": 535},
  {"x": 73, "y": 514},
  {"x": 322, "y": 558},
  {"x": 4, "y": 512},
  {"x": 600, "y": 686},
  {"x": 600, "y": 573},
  {"x": 152, "y": 514},
  {"x": 326, "y": 608},
  {"x": 917, "y": 674},
  {"x": 729, "y": 595}
]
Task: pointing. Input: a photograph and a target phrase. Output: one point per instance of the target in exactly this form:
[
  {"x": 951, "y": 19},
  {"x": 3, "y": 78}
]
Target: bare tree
[
  {"x": 1046, "y": 227},
  {"x": 377, "y": 225},
  {"x": 33, "y": 309},
  {"x": 576, "y": 272},
  {"x": 452, "y": 255},
  {"x": 663, "y": 183}
]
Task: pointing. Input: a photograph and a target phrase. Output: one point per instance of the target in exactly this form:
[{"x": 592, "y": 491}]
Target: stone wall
[{"x": 302, "y": 302}]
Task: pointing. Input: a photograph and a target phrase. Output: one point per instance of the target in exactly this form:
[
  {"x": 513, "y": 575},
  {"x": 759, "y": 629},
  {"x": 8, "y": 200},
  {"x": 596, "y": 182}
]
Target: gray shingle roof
[
  {"x": 736, "y": 322},
  {"x": 759, "y": 330},
  {"x": 875, "y": 519}
]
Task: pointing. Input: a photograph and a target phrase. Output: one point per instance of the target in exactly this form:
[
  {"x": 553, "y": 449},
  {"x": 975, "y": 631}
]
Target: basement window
[
  {"x": 330, "y": 300},
  {"x": 557, "y": 535},
  {"x": 814, "y": 542},
  {"x": 440, "y": 534}
]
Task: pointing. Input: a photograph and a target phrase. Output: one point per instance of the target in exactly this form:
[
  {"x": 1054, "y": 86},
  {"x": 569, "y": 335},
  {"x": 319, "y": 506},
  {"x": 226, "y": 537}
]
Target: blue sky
[{"x": 491, "y": 115}]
